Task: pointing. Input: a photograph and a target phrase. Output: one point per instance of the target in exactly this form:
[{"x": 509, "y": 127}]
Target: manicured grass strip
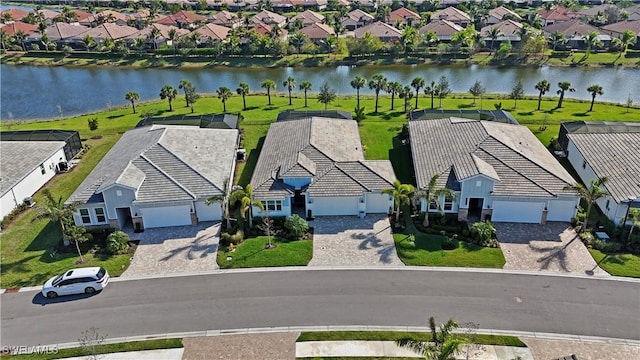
[
  {"x": 357, "y": 358},
  {"x": 427, "y": 251},
  {"x": 483, "y": 339},
  {"x": 618, "y": 264},
  {"x": 106, "y": 349},
  {"x": 251, "y": 253}
]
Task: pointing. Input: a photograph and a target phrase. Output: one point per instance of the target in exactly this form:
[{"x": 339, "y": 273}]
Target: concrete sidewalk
[
  {"x": 312, "y": 349},
  {"x": 164, "y": 354}
]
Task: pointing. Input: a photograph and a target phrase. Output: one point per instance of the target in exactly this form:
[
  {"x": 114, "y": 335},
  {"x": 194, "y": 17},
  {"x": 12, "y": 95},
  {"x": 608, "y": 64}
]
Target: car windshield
[
  {"x": 57, "y": 280},
  {"x": 101, "y": 273}
]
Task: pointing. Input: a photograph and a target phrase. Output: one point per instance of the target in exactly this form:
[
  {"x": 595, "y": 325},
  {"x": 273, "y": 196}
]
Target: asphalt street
[{"x": 502, "y": 301}]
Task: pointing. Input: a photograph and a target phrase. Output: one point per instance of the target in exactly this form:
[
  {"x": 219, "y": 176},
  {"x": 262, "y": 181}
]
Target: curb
[
  {"x": 290, "y": 329},
  {"x": 354, "y": 268}
]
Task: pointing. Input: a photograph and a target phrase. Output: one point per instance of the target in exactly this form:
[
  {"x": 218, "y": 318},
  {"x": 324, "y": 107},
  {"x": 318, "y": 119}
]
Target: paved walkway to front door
[
  {"x": 176, "y": 249},
  {"x": 349, "y": 240},
  {"x": 554, "y": 246}
]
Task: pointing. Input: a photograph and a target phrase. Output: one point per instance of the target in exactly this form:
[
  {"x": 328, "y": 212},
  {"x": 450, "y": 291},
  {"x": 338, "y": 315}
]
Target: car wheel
[
  {"x": 52, "y": 294},
  {"x": 89, "y": 290}
]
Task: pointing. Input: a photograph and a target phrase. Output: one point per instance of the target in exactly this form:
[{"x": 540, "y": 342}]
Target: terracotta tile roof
[
  {"x": 225, "y": 18},
  {"x": 318, "y": 31},
  {"x": 64, "y": 31},
  {"x": 181, "y": 17},
  {"x": 442, "y": 28},
  {"x": 48, "y": 14},
  {"x": 358, "y": 14},
  {"x": 402, "y": 14},
  {"x": 111, "y": 31},
  {"x": 15, "y": 26},
  {"x": 162, "y": 29},
  {"x": 268, "y": 17},
  {"x": 83, "y": 16},
  {"x": 508, "y": 29},
  {"x": 308, "y": 17},
  {"x": 116, "y": 15},
  {"x": 16, "y": 14},
  {"x": 379, "y": 30},
  {"x": 623, "y": 26},
  {"x": 452, "y": 14},
  {"x": 262, "y": 28},
  {"x": 500, "y": 12},
  {"x": 558, "y": 14},
  {"x": 213, "y": 32},
  {"x": 571, "y": 28}
]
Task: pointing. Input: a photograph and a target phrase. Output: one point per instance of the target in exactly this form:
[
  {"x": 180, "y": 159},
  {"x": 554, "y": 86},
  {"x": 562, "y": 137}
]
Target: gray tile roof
[
  {"x": 327, "y": 149},
  {"x": 165, "y": 162},
  {"x": 616, "y": 156},
  {"x": 460, "y": 148},
  {"x": 19, "y": 158}
]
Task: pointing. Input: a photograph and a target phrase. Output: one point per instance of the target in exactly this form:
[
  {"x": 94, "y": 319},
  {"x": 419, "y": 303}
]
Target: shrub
[
  {"x": 483, "y": 232},
  {"x": 117, "y": 242},
  {"x": 93, "y": 123},
  {"x": 296, "y": 226},
  {"x": 12, "y": 215},
  {"x": 235, "y": 239}
]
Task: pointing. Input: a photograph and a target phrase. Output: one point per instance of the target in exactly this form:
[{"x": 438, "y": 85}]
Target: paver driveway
[
  {"x": 175, "y": 249},
  {"x": 349, "y": 240},
  {"x": 554, "y": 246}
]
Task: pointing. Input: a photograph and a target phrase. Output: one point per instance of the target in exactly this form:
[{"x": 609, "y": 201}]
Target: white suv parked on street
[{"x": 76, "y": 281}]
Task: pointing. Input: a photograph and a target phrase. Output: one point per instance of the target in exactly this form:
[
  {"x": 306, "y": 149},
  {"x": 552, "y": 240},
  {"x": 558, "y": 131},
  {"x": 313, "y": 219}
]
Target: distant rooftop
[
  {"x": 208, "y": 121},
  {"x": 295, "y": 115},
  {"x": 489, "y": 115}
]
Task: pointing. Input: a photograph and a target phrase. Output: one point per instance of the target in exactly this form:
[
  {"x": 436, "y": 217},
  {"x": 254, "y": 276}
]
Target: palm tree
[
  {"x": 394, "y": 89},
  {"x": 407, "y": 94},
  {"x": 444, "y": 344},
  {"x": 244, "y": 197},
  {"x": 153, "y": 35},
  {"x": 432, "y": 90},
  {"x": 564, "y": 87},
  {"x": 88, "y": 42},
  {"x": 168, "y": 92},
  {"x": 431, "y": 195},
  {"x": 494, "y": 34},
  {"x": 590, "y": 194},
  {"x": 591, "y": 40},
  {"x": 185, "y": 85},
  {"x": 305, "y": 86},
  {"x": 628, "y": 38},
  {"x": 377, "y": 83},
  {"x": 297, "y": 40},
  {"x": 290, "y": 84},
  {"x": 557, "y": 38},
  {"x": 595, "y": 90},
  {"x": 417, "y": 83},
  {"x": 243, "y": 90},
  {"x": 634, "y": 217},
  {"x": 223, "y": 199},
  {"x": 224, "y": 94},
  {"x": 401, "y": 196},
  {"x": 542, "y": 86},
  {"x": 268, "y": 84},
  {"x": 56, "y": 211},
  {"x": 358, "y": 83},
  {"x": 19, "y": 37},
  {"x": 133, "y": 97}
]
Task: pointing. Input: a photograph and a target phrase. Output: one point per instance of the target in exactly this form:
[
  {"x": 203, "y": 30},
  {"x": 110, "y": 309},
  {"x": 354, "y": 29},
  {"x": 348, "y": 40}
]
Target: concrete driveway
[
  {"x": 554, "y": 246},
  {"x": 349, "y": 240},
  {"x": 177, "y": 249}
]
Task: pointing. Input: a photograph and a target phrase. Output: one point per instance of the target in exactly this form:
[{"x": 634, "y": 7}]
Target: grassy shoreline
[{"x": 83, "y": 59}]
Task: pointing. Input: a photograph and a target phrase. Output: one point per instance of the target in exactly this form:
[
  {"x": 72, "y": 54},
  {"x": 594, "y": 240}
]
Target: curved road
[{"x": 494, "y": 300}]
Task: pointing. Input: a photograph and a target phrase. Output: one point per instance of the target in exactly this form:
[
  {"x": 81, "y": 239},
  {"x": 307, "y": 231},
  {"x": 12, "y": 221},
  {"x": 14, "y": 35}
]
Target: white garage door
[
  {"x": 166, "y": 216},
  {"x": 517, "y": 211},
  {"x": 206, "y": 212},
  {"x": 561, "y": 210},
  {"x": 335, "y": 206},
  {"x": 378, "y": 204}
]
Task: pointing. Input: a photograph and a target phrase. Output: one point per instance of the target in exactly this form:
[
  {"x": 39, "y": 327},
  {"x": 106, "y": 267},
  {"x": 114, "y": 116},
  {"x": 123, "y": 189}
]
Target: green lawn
[
  {"x": 618, "y": 264},
  {"x": 106, "y": 349},
  {"x": 397, "y": 335},
  {"x": 251, "y": 253}
]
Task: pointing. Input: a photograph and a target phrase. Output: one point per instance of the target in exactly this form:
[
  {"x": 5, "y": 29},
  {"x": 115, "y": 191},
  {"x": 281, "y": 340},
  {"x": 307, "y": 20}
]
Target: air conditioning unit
[
  {"x": 29, "y": 201},
  {"x": 241, "y": 155}
]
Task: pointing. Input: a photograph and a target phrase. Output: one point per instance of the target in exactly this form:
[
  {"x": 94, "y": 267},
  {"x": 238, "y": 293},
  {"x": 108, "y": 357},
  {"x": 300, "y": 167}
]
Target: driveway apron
[
  {"x": 554, "y": 246},
  {"x": 175, "y": 249},
  {"x": 349, "y": 240}
]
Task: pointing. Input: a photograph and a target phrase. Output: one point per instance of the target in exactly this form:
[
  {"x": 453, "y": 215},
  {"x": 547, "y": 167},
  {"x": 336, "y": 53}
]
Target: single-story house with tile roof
[
  {"x": 15, "y": 13},
  {"x": 509, "y": 31},
  {"x": 575, "y": 32},
  {"x": 212, "y": 33},
  {"x": 496, "y": 170},
  {"x": 501, "y": 13},
  {"x": 269, "y": 18},
  {"x": 403, "y": 16},
  {"x": 355, "y": 19},
  {"x": 307, "y": 18},
  {"x": 452, "y": 14},
  {"x": 183, "y": 19},
  {"x": 158, "y": 176},
  {"x": 227, "y": 18},
  {"x": 25, "y": 166},
  {"x": 445, "y": 30},
  {"x": 382, "y": 31},
  {"x": 607, "y": 149},
  {"x": 318, "y": 32},
  {"x": 316, "y": 167}
]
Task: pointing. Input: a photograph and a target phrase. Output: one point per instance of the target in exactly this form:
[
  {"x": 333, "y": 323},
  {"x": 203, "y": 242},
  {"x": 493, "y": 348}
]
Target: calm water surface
[{"x": 29, "y": 92}]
